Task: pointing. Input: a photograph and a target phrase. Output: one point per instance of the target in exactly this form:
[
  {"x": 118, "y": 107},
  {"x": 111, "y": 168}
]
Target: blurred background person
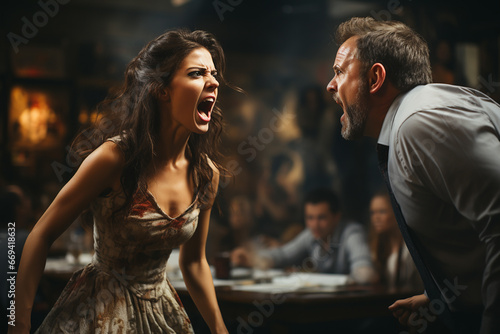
[
  {"x": 277, "y": 193},
  {"x": 327, "y": 245},
  {"x": 242, "y": 231},
  {"x": 390, "y": 255},
  {"x": 314, "y": 145}
]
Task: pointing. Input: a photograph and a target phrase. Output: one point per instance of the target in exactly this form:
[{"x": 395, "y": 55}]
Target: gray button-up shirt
[
  {"x": 346, "y": 250},
  {"x": 444, "y": 169}
]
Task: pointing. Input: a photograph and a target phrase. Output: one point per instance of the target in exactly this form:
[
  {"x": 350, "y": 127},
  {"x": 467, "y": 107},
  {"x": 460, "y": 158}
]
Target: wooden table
[
  {"x": 355, "y": 309},
  {"x": 351, "y": 309}
]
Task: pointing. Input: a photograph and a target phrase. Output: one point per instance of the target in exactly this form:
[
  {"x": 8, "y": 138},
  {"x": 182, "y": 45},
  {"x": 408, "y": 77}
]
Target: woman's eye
[
  {"x": 196, "y": 74},
  {"x": 215, "y": 74}
]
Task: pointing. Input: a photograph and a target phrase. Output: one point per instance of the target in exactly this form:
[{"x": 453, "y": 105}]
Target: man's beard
[{"x": 354, "y": 123}]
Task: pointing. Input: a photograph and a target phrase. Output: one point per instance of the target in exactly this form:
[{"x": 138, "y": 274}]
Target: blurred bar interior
[{"x": 59, "y": 59}]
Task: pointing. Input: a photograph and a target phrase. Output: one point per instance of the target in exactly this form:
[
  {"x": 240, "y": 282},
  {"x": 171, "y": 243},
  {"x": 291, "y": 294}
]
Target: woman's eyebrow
[{"x": 200, "y": 68}]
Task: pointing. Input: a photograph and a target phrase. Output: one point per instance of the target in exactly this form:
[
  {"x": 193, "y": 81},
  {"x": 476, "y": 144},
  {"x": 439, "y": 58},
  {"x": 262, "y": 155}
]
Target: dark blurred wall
[{"x": 274, "y": 49}]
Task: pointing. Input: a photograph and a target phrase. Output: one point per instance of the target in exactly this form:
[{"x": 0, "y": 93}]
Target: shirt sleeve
[
  {"x": 292, "y": 253},
  {"x": 357, "y": 250},
  {"x": 455, "y": 154}
]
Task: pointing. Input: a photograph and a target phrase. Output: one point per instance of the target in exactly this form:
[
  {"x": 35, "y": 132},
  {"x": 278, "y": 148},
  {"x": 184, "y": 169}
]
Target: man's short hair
[
  {"x": 321, "y": 195},
  {"x": 403, "y": 52}
]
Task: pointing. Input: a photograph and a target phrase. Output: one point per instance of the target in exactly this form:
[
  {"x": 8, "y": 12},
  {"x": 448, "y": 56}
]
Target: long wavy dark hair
[{"x": 132, "y": 113}]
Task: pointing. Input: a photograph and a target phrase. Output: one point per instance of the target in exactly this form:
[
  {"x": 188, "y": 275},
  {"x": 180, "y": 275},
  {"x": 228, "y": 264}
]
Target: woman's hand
[{"x": 240, "y": 257}]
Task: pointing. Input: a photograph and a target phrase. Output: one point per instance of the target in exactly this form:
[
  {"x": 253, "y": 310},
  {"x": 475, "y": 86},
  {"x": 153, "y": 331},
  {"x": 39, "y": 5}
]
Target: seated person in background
[
  {"x": 277, "y": 191},
  {"x": 327, "y": 245},
  {"x": 240, "y": 230},
  {"x": 390, "y": 255}
]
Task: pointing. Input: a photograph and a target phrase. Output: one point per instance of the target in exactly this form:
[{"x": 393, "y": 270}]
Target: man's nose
[
  {"x": 314, "y": 223},
  {"x": 332, "y": 86}
]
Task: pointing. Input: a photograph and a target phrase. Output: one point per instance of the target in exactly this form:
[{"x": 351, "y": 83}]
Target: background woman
[
  {"x": 389, "y": 252},
  {"x": 149, "y": 177}
]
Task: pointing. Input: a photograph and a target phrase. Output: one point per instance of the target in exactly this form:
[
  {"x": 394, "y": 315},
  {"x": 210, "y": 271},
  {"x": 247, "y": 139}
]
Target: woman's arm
[
  {"x": 99, "y": 171},
  {"x": 196, "y": 272}
]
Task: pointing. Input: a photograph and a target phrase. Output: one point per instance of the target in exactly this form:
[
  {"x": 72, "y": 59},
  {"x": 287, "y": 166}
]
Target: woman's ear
[
  {"x": 164, "y": 95},
  {"x": 376, "y": 77}
]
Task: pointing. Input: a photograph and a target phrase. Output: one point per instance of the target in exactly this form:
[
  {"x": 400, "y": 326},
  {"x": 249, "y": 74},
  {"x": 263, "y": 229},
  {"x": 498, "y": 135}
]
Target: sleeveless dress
[{"x": 125, "y": 289}]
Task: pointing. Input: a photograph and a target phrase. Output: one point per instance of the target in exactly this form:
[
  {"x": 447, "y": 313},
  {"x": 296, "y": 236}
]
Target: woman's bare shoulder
[
  {"x": 109, "y": 152},
  {"x": 107, "y": 159}
]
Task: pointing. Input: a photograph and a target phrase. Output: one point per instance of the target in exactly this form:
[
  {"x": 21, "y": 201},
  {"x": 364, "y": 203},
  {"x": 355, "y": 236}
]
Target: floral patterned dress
[{"x": 125, "y": 289}]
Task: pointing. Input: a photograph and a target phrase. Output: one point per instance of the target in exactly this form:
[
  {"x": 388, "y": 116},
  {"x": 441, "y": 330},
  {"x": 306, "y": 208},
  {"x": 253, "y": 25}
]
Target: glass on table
[
  {"x": 222, "y": 265},
  {"x": 76, "y": 245}
]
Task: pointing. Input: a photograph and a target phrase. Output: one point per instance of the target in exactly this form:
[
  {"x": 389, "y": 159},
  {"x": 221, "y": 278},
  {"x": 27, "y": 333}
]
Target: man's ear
[{"x": 376, "y": 77}]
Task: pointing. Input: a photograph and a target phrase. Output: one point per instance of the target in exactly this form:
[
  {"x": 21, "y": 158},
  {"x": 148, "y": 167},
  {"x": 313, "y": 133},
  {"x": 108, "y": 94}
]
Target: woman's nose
[{"x": 212, "y": 82}]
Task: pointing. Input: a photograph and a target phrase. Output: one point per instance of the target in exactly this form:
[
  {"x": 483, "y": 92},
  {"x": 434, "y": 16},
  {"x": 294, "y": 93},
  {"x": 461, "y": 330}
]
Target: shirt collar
[
  {"x": 385, "y": 131},
  {"x": 334, "y": 240}
]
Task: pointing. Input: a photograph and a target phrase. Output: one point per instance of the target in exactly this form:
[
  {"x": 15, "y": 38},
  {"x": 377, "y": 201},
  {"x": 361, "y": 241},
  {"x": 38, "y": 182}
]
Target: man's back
[{"x": 444, "y": 170}]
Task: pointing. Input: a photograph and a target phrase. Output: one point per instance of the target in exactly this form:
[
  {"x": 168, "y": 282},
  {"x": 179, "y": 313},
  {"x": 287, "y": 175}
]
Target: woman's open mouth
[{"x": 205, "y": 109}]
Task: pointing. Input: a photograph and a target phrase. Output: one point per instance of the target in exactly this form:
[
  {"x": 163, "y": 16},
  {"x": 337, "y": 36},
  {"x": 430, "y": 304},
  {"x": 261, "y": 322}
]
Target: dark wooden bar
[
  {"x": 255, "y": 312},
  {"x": 348, "y": 309}
]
